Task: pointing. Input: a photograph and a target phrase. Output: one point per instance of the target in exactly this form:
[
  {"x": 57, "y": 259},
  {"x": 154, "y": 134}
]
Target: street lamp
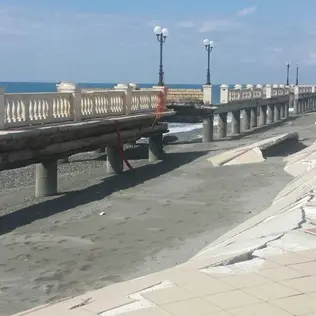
[
  {"x": 288, "y": 74},
  {"x": 162, "y": 34},
  {"x": 209, "y": 45}
]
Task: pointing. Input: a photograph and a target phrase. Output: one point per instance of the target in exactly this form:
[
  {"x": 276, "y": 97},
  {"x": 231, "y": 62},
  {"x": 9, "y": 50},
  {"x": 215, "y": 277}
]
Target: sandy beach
[{"x": 154, "y": 218}]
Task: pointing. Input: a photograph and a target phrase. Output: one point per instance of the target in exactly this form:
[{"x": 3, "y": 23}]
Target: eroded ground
[{"x": 155, "y": 218}]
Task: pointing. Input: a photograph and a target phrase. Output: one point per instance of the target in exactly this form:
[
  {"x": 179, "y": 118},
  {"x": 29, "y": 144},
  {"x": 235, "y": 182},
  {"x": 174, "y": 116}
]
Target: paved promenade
[
  {"x": 278, "y": 285},
  {"x": 228, "y": 277}
]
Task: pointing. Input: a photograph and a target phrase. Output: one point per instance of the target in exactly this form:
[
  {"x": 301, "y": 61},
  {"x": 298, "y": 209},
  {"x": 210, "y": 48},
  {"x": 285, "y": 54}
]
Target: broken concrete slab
[
  {"x": 253, "y": 155},
  {"x": 241, "y": 154}
]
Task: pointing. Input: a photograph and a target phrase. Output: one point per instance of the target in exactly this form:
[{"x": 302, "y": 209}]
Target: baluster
[
  {"x": 35, "y": 109},
  {"x": 114, "y": 104},
  {"x": 106, "y": 103},
  {"x": 18, "y": 110},
  {"x": 93, "y": 105},
  {"x": 97, "y": 107},
  {"x": 56, "y": 107},
  {"x": 39, "y": 109},
  {"x": 121, "y": 102},
  {"x": 13, "y": 110},
  {"x": 68, "y": 106},
  {"x": 61, "y": 107},
  {"x": 31, "y": 109},
  {"x": 86, "y": 105},
  {"x": 8, "y": 111},
  {"x": 64, "y": 102},
  {"x": 103, "y": 104},
  {"x": 51, "y": 111}
]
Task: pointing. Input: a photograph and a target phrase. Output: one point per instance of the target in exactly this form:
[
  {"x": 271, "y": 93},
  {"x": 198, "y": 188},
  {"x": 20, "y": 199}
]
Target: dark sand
[{"x": 155, "y": 218}]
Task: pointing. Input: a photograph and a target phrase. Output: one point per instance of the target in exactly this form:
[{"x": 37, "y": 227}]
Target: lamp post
[
  {"x": 209, "y": 45},
  {"x": 288, "y": 74},
  {"x": 162, "y": 34},
  {"x": 296, "y": 75}
]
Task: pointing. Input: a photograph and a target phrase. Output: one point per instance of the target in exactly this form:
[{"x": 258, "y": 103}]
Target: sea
[{"x": 23, "y": 87}]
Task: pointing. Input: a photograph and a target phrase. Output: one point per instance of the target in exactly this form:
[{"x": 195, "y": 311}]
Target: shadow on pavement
[
  {"x": 109, "y": 185},
  {"x": 284, "y": 149}
]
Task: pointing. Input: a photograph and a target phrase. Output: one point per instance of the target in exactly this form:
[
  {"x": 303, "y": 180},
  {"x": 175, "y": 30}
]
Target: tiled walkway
[{"x": 281, "y": 285}]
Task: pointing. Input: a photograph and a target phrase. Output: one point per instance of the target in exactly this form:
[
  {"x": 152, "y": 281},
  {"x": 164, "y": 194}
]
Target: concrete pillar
[
  {"x": 282, "y": 111},
  {"x": 207, "y": 94},
  {"x": 291, "y": 102},
  {"x": 246, "y": 113},
  {"x": 128, "y": 90},
  {"x": 224, "y": 98},
  {"x": 262, "y": 115},
  {"x": 268, "y": 91},
  {"x": 208, "y": 125},
  {"x": 276, "y": 114},
  {"x": 302, "y": 105},
  {"x": 222, "y": 125},
  {"x": 254, "y": 117},
  {"x": 46, "y": 178},
  {"x": 286, "y": 110},
  {"x": 155, "y": 148},
  {"x": 68, "y": 87},
  {"x": 296, "y": 105},
  {"x": 114, "y": 161},
  {"x": 270, "y": 113},
  {"x": 236, "y": 122}
]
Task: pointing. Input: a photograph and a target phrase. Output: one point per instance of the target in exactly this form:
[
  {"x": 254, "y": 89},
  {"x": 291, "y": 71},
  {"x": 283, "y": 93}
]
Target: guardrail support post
[
  {"x": 208, "y": 128},
  {"x": 46, "y": 178},
  {"x": 270, "y": 113},
  {"x": 114, "y": 160},
  {"x": 155, "y": 148},
  {"x": 222, "y": 125},
  {"x": 236, "y": 122},
  {"x": 276, "y": 114},
  {"x": 246, "y": 119},
  {"x": 262, "y": 115},
  {"x": 283, "y": 111},
  {"x": 254, "y": 117}
]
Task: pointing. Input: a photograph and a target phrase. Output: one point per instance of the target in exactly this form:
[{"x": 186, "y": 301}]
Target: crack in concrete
[{"x": 248, "y": 256}]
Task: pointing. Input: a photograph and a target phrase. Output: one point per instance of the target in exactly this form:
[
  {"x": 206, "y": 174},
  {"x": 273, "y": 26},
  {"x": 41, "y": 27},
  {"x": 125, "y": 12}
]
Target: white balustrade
[
  {"x": 74, "y": 104},
  {"x": 26, "y": 109},
  {"x": 102, "y": 104},
  {"x": 144, "y": 100},
  {"x": 234, "y": 95}
]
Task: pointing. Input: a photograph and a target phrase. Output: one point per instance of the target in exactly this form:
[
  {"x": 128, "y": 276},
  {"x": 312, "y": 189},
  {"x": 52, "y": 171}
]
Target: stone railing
[
  {"x": 72, "y": 104},
  {"x": 250, "y": 92},
  {"x": 242, "y": 116}
]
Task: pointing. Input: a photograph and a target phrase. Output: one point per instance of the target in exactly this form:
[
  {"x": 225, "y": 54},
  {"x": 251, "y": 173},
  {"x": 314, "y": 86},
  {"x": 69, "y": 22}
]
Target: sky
[{"x": 113, "y": 41}]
